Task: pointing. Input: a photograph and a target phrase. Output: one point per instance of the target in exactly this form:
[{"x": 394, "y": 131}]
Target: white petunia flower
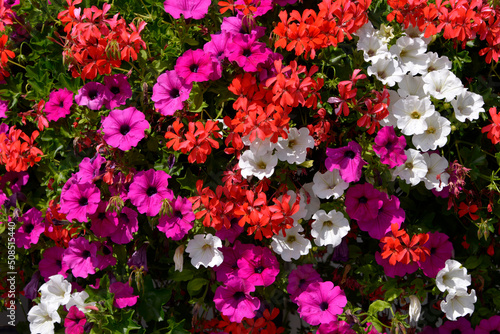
[
  {"x": 57, "y": 291},
  {"x": 312, "y": 201},
  {"x": 442, "y": 84},
  {"x": 259, "y": 166},
  {"x": 467, "y": 106},
  {"x": 293, "y": 246},
  {"x": 414, "y": 169},
  {"x": 42, "y": 318},
  {"x": 453, "y": 277},
  {"x": 459, "y": 304},
  {"x": 329, "y": 184},
  {"x": 261, "y": 147},
  {"x": 204, "y": 250},
  {"x": 78, "y": 299},
  {"x": 386, "y": 70},
  {"x": 294, "y": 148},
  {"x": 373, "y": 48},
  {"x": 438, "y": 63},
  {"x": 414, "y": 32},
  {"x": 436, "y": 177},
  {"x": 365, "y": 31},
  {"x": 385, "y": 33},
  {"x": 410, "y": 53},
  {"x": 329, "y": 229},
  {"x": 411, "y": 113},
  {"x": 436, "y": 134},
  {"x": 411, "y": 85}
]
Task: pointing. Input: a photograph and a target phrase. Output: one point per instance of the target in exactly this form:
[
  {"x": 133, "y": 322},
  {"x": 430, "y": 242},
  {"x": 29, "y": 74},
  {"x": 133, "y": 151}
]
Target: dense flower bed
[{"x": 249, "y": 166}]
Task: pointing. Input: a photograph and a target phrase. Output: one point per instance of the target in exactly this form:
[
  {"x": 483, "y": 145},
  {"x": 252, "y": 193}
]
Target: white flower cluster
[
  {"x": 419, "y": 75},
  {"x": 454, "y": 279},
  {"x": 55, "y": 293}
]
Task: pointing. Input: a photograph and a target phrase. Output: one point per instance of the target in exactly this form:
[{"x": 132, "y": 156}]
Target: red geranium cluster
[
  {"x": 5, "y": 54},
  {"x": 18, "y": 151},
  {"x": 311, "y": 31},
  {"x": 94, "y": 43}
]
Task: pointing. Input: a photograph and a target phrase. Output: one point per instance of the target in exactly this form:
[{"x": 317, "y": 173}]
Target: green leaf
[
  {"x": 176, "y": 327},
  {"x": 196, "y": 285},
  {"x": 188, "y": 182},
  {"x": 307, "y": 164},
  {"x": 179, "y": 276},
  {"x": 151, "y": 302},
  {"x": 392, "y": 294},
  {"x": 378, "y": 306},
  {"x": 124, "y": 325}
]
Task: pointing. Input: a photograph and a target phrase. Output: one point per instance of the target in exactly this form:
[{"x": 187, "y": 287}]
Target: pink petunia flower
[
  {"x": 59, "y": 104},
  {"x": 230, "y": 234},
  {"x": 74, "y": 321},
  {"x": 14, "y": 180},
  {"x": 234, "y": 301},
  {"x": 487, "y": 326},
  {"x": 93, "y": 95},
  {"x": 103, "y": 223},
  {"x": 335, "y": 327},
  {"x": 79, "y": 200},
  {"x": 124, "y": 129},
  {"x": 321, "y": 303},
  {"x": 300, "y": 278},
  {"x": 51, "y": 263},
  {"x": 240, "y": 24},
  {"x": 127, "y": 225},
  {"x": 247, "y": 52},
  {"x": 258, "y": 266},
  {"x": 119, "y": 88},
  {"x": 105, "y": 256},
  {"x": 347, "y": 160},
  {"x": 90, "y": 169},
  {"x": 363, "y": 201},
  {"x": 169, "y": 93},
  {"x": 124, "y": 295},
  {"x": 441, "y": 250},
  {"x": 178, "y": 223},
  {"x": 229, "y": 267},
  {"x": 389, "y": 213},
  {"x": 389, "y": 147},
  {"x": 80, "y": 257},
  {"x": 4, "y": 107},
  {"x": 194, "y": 66},
  {"x": 148, "y": 190},
  {"x": 461, "y": 325},
  {"x": 31, "y": 229},
  {"x": 196, "y": 9}
]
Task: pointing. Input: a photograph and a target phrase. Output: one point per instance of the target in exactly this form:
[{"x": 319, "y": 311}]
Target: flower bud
[
  {"x": 179, "y": 258},
  {"x": 415, "y": 309}
]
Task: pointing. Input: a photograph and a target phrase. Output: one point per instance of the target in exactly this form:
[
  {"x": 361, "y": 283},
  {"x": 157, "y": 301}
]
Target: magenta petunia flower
[
  {"x": 217, "y": 47},
  {"x": 93, "y": 95},
  {"x": 31, "y": 229},
  {"x": 105, "y": 256},
  {"x": 461, "y": 325},
  {"x": 389, "y": 213},
  {"x": 399, "y": 269},
  {"x": 321, "y": 303},
  {"x": 229, "y": 267},
  {"x": 119, "y": 88},
  {"x": 258, "y": 266},
  {"x": 488, "y": 326},
  {"x": 51, "y": 263},
  {"x": 124, "y": 129},
  {"x": 4, "y": 107},
  {"x": 300, "y": 278},
  {"x": 247, "y": 52},
  {"x": 127, "y": 225},
  {"x": 335, "y": 327},
  {"x": 196, "y": 9},
  {"x": 148, "y": 190},
  {"x": 347, "y": 160},
  {"x": 90, "y": 169},
  {"x": 389, "y": 147},
  {"x": 169, "y": 93},
  {"x": 242, "y": 25},
  {"x": 230, "y": 234},
  {"x": 14, "y": 180},
  {"x": 234, "y": 301},
  {"x": 80, "y": 257},
  {"x": 103, "y": 223},
  {"x": 194, "y": 66},
  {"x": 79, "y": 200},
  {"x": 74, "y": 321},
  {"x": 283, "y": 3},
  {"x": 441, "y": 250},
  {"x": 124, "y": 295},
  {"x": 59, "y": 104},
  {"x": 363, "y": 201},
  {"x": 180, "y": 221}
]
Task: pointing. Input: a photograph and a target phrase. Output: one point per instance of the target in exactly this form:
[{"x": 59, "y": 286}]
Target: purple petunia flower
[
  {"x": 196, "y": 9},
  {"x": 321, "y": 303},
  {"x": 148, "y": 190},
  {"x": 347, "y": 160},
  {"x": 75, "y": 321},
  {"x": 119, "y": 88},
  {"x": 51, "y": 263},
  {"x": 389, "y": 147},
  {"x": 230, "y": 234},
  {"x": 487, "y": 326},
  {"x": 169, "y": 93},
  {"x": 139, "y": 258},
  {"x": 14, "y": 180},
  {"x": 4, "y": 107},
  {"x": 127, "y": 225},
  {"x": 103, "y": 223},
  {"x": 234, "y": 301},
  {"x": 105, "y": 256},
  {"x": 59, "y": 104},
  {"x": 247, "y": 52},
  {"x": 93, "y": 95},
  {"x": 389, "y": 213},
  {"x": 441, "y": 250},
  {"x": 124, "y": 129},
  {"x": 194, "y": 66},
  {"x": 461, "y": 325},
  {"x": 258, "y": 266},
  {"x": 229, "y": 267},
  {"x": 243, "y": 25},
  {"x": 178, "y": 223},
  {"x": 124, "y": 295},
  {"x": 80, "y": 257},
  {"x": 33, "y": 226},
  {"x": 300, "y": 278},
  {"x": 89, "y": 169},
  {"x": 79, "y": 200},
  {"x": 335, "y": 327},
  {"x": 363, "y": 201}
]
